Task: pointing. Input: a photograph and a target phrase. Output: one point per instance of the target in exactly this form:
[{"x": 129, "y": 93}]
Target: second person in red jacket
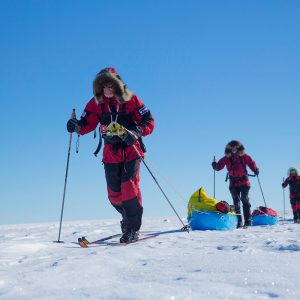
[
  {"x": 124, "y": 119},
  {"x": 236, "y": 162},
  {"x": 293, "y": 180}
]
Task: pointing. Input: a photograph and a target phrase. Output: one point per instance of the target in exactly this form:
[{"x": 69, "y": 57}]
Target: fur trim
[
  {"x": 234, "y": 144},
  {"x": 293, "y": 168},
  {"x": 110, "y": 75}
]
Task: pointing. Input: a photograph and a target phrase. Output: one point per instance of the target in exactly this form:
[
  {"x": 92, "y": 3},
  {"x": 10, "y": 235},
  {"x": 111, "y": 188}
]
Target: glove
[
  {"x": 72, "y": 125},
  {"x": 214, "y": 165},
  {"x": 256, "y": 172},
  {"x": 283, "y": 185},
  {"x": 131, "y": 137}
]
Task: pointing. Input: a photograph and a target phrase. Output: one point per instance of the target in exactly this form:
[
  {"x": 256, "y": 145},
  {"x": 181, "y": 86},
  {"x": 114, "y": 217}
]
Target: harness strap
[
  {"x": 99, "y": 144},
  {"x": 238, "y": 179},
  {"x": 112, "y": 111},
  {"x": 242, "y": 163}
]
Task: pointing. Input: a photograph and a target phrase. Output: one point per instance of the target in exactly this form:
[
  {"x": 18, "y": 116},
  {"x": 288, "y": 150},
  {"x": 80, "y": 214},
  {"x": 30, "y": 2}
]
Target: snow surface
[{"x": 257, "y": 263}]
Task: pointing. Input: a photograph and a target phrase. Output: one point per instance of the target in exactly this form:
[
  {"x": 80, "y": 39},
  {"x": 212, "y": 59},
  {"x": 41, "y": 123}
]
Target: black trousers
[
  {"x": 124, "y": 192},
  {"x": 131, "y": 212},
  {"x": 240, "y": 194},
  {"x": 295, "y": 204}
]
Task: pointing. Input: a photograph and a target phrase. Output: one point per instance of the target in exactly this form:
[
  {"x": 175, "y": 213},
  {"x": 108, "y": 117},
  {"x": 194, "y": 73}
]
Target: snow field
[{"x": 260, "y": 262}]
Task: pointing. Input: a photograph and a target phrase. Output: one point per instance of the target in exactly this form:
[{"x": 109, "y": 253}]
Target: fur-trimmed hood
[
  {"x": 234, "y": 144},
  {"x": 293, "y": 168},
  {"x": 110, "y": 75}
]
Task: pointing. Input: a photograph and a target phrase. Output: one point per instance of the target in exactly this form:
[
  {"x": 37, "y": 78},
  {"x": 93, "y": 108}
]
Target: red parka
[
  {"x": 131, "y": 113},
  {"x": 236, "y": 165},
  {"x": 294, "y": 183}
]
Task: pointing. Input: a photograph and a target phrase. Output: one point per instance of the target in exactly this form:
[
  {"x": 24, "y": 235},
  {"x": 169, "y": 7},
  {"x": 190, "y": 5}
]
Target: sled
[
  {"x": 204, "y": 215},
  {"x": 209, "y": 220},
  {"x": 264, "y": 216}
]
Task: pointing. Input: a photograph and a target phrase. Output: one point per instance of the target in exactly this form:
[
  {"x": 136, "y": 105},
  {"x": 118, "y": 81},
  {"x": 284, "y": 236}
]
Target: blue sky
[{"x": 210, "y": 72}]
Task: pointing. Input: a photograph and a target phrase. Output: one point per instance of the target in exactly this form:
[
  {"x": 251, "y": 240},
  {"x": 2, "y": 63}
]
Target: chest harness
[{"x": 113, "y": 127}]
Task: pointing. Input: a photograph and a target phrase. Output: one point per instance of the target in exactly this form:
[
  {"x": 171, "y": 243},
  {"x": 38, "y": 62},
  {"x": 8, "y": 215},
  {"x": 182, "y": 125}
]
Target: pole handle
[{"x": 73, "y": 116}]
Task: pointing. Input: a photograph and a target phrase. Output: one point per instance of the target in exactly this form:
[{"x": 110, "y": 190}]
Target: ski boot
[
  {"x": 124, "y": 225},
  {"x": 247, "y": 224},
  {"x": 130, "y": 236},
  {"x": 295, "y": 214},
  {"x": 240, "y": 222}
]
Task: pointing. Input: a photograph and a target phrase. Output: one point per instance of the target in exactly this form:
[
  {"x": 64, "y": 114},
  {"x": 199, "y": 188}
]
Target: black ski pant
[
  {"x": 240, "y": 193},
  {"x": 295, "y": 204},
  {"x": 124, "y": 192}
]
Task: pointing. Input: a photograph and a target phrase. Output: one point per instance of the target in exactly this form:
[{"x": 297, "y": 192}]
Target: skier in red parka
[
  {"x": 236, "y": 162},
  {"x": 293, "y": 180},
  {"x": 124, "y": 119}
]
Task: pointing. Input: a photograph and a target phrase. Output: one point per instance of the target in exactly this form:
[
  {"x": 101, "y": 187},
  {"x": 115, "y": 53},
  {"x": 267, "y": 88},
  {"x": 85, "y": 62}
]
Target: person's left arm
[
  {"x": 143, "y": 117},
  {"x": 251, "y": 164}
]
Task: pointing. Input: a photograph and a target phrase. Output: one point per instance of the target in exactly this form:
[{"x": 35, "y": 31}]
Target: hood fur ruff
[
  {"x": 293, "y": 168},
  {"x": 110, "y": 75},
  {"x": 231, "y": 145}
]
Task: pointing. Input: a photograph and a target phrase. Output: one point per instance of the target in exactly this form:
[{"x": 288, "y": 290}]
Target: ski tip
[
  {"x": 82, "y": 243},
  {"x": 85, "y": 240}
]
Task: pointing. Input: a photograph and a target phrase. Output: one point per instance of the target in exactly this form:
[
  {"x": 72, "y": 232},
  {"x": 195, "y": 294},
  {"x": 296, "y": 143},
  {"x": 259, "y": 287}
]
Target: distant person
[
  {"x": 236, "y": 162},
  {"x": 293, "y": 180},
  {"x": 124, "y": 119}
]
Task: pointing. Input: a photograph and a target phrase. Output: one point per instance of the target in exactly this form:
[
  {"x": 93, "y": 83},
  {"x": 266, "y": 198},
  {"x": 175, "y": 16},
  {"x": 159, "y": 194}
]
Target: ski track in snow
[{"x": 260, "y": 262}]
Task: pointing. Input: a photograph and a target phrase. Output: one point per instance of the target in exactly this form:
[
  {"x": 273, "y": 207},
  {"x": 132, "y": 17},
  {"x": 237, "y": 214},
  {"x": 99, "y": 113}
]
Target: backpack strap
[
  {"x": 244, "y": 166},
  {"x": 99, "y": 144},
  {"x": 124, "y": 108},
  {"x": 102, "y": 108},
  {"x": 234, "y": 179},
  {"x": 100, "y": 135}
]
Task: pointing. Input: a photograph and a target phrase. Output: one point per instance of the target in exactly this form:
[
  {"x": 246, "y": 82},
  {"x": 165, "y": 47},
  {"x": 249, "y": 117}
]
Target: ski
[
  {"x": 87, "y": 242},
  {"x": 133, "y": 242},
  {"x": 165, "y": 232},
  {"x": 84, "y": 243}
]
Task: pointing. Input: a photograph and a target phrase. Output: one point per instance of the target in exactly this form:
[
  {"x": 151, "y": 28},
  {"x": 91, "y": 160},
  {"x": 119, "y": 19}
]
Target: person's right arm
[
  {"x": 89, "y": 118},
  {"x": 220, "y": 164},
  {"x": 285, "y": 183}
]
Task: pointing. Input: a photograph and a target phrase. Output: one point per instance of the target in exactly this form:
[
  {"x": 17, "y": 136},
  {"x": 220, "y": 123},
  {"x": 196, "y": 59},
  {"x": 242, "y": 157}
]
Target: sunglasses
[{"x": 108, "y": 85}]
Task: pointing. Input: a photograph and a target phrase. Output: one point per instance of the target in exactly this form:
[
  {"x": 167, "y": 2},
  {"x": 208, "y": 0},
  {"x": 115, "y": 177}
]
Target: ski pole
[
  {"x": 261, "y": 191},
  {"x": 66, "y": 178},
  {"x": 283, "y": 200},
  {"x": 214, "y": 179},
  {"x": 185, "y": 227}
]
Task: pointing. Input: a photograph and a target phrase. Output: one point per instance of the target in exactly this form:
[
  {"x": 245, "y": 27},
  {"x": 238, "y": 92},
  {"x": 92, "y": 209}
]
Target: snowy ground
[{"x": 257, "y": 263}]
